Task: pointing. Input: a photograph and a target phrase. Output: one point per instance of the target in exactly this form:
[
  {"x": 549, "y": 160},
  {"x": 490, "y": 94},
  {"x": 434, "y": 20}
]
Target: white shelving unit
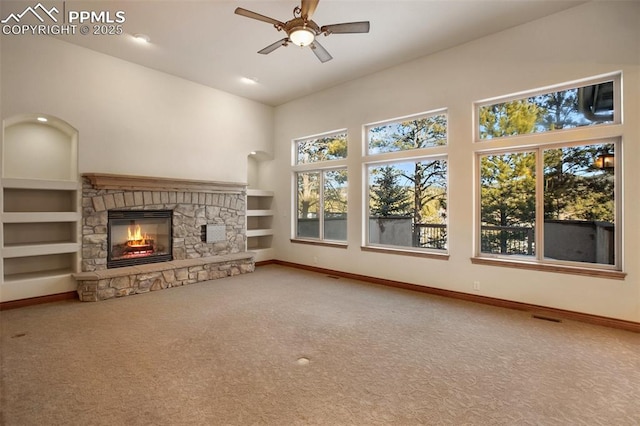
[
  {"x": 40, "y": 208},
  {"x": 259, "y": 223}
]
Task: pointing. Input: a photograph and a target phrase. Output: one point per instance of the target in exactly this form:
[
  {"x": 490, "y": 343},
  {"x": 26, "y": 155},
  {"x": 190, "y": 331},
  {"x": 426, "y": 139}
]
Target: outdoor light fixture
[
  {"x": 606, "y": 161},
  {"x": 301, "y": 36}
]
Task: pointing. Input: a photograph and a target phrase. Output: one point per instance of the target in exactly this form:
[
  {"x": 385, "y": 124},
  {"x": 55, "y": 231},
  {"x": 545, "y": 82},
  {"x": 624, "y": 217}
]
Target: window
[
  {"x": 559, "y": 110},
  {"x": 321, "y": 148},
  {"x": 406, "y": 170},
  {"x": 552, "y": 199},
  {"x": 321, "y": 188},
  {"x": 408, "y": 134}
]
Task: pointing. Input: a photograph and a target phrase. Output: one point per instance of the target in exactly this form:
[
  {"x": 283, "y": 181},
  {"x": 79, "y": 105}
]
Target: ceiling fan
[{"x": 302, "y": 31}]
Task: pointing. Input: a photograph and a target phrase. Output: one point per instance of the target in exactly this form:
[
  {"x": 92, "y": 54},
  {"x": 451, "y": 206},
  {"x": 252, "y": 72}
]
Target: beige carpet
[{"x": 288, "y": 347}]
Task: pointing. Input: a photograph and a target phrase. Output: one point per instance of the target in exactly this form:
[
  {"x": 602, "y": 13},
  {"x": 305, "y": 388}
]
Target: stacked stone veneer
[
  {"x": 117, "y": 282},
  {"x": 193, "y": 259},
  {"x": 191, "y": 210}
]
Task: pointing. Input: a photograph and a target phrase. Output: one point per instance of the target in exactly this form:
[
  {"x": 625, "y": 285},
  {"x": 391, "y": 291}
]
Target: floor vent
[{"x": 540, "y": 317}]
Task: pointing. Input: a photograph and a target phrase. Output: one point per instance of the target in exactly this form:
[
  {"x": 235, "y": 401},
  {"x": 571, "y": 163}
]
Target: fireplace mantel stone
[{"x": 146, "y": 183}]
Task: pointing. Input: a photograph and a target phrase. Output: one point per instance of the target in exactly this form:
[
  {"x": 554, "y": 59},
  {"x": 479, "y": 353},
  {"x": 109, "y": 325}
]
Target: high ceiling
[{"x": 205, "y": 42}]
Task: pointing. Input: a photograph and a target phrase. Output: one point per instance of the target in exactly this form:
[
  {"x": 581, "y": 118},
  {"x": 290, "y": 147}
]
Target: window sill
[
  {"x": 428, "y": 255},
  {"x": 562, "y": 269},
  {"x": 319, "y": 243}
]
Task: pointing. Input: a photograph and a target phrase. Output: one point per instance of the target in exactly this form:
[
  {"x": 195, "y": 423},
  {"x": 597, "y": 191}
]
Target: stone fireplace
[{"x": 141, "y": 234}]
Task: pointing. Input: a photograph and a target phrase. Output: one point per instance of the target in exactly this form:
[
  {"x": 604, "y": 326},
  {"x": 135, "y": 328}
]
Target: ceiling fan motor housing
[{"x": 301, "y": 31}]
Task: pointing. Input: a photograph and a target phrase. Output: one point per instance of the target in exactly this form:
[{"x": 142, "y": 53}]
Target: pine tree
[{"x": 388, "y": 197}]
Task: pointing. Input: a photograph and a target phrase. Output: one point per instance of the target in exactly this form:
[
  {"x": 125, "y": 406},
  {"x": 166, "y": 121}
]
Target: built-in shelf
[
  {"x": 259, "y": 223},
  {"x": 35, "y": 217},
  {"x": 259, "y": 232},
  {"x": 60, "y": 185},
  {"x": 251, "y": 192},
  {"x": 28, "y": 200},
  {"x": 26, "y": 250},
  {"x": 39, "y": 209},
  {"x": 40, "y": 275},
  {"x": 254, "y": 213}
]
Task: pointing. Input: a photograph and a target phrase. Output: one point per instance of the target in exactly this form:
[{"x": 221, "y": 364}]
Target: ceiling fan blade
[
  {"x": 270, "y": 48},
  {"x": 346, "y": 28},
  {"x": 320, "y": 51},
  {"x": 308, "y": 7},
  {"x": 254, "y": 15}
]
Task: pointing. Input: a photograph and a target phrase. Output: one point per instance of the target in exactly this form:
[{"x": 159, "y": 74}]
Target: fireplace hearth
[{"x": 136, "y": 237}]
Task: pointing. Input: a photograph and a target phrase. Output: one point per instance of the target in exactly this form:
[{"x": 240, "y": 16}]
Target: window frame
[
  {"x": 294, "y": 146},
  {"x": 432, "y": 153},
  {"x": 617, "y": 106},
  {"x": 316, "y": 167},
  {"x": 610, "y": 133}
]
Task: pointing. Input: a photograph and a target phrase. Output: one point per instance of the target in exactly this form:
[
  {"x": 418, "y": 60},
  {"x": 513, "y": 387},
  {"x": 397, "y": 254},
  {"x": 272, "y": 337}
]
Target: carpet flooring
[{"x": 283, "y": 346}]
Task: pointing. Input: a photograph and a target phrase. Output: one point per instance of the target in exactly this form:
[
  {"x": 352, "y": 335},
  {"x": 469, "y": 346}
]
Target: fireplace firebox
[{"x": 136, "y": 237}]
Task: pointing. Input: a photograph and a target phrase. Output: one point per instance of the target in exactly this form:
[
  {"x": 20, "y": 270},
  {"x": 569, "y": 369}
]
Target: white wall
[
  {"x": 131, "y": 119},
  {"x": 588, "y": 40}
]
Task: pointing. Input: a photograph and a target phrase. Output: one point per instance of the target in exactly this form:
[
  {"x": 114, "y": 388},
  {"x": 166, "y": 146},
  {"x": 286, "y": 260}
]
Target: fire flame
[{"x": 135, "y": 236}]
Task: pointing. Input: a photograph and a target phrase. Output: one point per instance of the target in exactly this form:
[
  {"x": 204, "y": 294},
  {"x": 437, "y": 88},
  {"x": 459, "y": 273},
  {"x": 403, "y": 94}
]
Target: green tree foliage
[
  {"x": 508, "y": 201},
  {"x": 308, "y": 194},
  {"x": 415, "y": 134},
  {"x": 425, "y": 176},
  {"x": 436, "y": 210},
  {"x": 508, "y": 180},
  {"x": 508, "y": 189},
  {"x": 565, "y": 109},
  {"x": 559, "y": 110},
  {"x": 322, "y": 149},
  {"x": 388, "y": 196},
  {"x": 332, "y": 147},
  {"x": 411, "y": 134},
  {"x": 335, "y": 192},
  {"x": 509, "y": 118},
  {"x": 574, "y": 189}
]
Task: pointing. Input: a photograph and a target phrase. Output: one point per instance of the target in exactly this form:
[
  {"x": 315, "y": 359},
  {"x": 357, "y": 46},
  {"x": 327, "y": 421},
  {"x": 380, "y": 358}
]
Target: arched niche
[
  {"x": 254, "y": 159},
  {"x": 39, "y": 146}
]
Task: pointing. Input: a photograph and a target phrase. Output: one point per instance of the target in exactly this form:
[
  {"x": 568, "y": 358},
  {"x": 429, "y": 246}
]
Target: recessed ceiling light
[
  {"x": 42, "y": 119},
  {"x": 249, "y": 80},
  {"x": 141, "y": 38}
]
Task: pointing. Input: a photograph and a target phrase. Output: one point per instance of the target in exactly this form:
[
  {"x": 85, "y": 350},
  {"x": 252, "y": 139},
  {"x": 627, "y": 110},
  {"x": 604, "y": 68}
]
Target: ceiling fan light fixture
[{"x": 301, "y": 36}]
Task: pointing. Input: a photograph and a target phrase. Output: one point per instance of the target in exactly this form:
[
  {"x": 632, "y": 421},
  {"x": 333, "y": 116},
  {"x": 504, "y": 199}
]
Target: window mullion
[
  {"x": 539, "y": 219},
  {"x": 321, "y": 205}
]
